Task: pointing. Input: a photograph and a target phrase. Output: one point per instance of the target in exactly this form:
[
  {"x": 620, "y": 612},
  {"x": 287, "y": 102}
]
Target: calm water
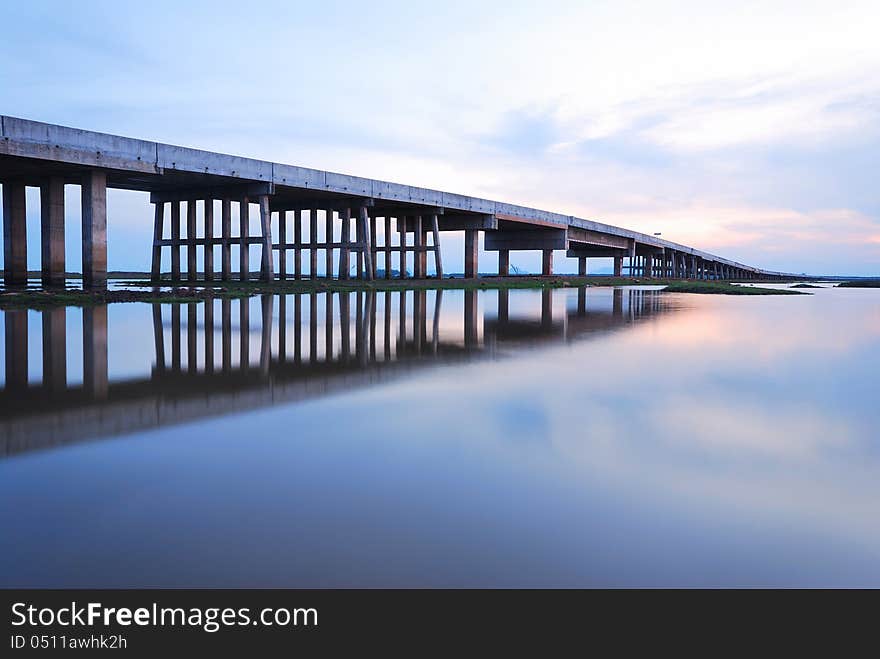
[{"x": 574, "y": 438}]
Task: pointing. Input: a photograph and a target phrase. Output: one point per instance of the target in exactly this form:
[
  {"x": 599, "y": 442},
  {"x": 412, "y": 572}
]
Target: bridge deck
[{"x": 33, "y": 149}]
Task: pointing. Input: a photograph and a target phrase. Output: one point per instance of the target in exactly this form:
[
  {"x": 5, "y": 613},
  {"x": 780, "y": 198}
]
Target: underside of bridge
[{"x": 332, "y": 220}]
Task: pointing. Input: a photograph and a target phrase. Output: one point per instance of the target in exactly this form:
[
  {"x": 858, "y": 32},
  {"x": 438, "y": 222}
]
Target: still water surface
[{"x": 599, "y": 437}]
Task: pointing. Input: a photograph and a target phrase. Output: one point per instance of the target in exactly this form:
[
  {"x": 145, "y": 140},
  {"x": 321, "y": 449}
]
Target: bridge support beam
[
  {"x": 14, "y": 234},
  {"x": 618, "y": 266},
  {"x": 582, "y": 266}
]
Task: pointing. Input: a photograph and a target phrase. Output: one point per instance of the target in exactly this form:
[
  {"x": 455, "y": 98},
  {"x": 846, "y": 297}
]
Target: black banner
[{"x": 137, "y": 622}]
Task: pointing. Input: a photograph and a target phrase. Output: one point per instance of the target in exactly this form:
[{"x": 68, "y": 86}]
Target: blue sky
[{"x": 748, "y": 129}]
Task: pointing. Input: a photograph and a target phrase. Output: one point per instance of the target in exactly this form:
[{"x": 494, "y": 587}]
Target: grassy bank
[
  {"x": 141, "y": 290},
  {"x": 860, "y": 283},
  {"x": 725, "y": 288}
]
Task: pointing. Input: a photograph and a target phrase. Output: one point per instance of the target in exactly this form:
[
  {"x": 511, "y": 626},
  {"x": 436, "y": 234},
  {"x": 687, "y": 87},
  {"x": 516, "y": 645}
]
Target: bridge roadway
[{"x": 190, "y": 181}]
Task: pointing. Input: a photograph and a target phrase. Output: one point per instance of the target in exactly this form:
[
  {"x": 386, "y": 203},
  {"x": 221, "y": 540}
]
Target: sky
[{"x": 747, "y": 129}]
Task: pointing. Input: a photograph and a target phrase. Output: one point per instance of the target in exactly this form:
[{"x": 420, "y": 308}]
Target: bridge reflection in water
[{"x": 309, "y": 345}]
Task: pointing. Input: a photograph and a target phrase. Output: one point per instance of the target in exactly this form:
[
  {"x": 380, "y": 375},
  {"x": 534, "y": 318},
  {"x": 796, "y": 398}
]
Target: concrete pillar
[
  {"x": 267, "y": 265},
  {"x": 503, "y": 263},
  {"x": 344, "y": 264},
  {"x": 209, "y": 239},
  {"x": 618, "y": 266},
  {"x": 297, "y": 244},
  {"x": 95, "y": 381},
  {"x": 438, "y": 257},
  {"x": 55, "y": 349},
  {"x": 158, "y": 231},
  {"x": 366, "y": 241},
  {"x": 547, "y": 263},
  {"x": 693, "y": 273},
  {"x": 16, "y": 322},
  {"x": 52, "y": 231},
  {"x": 471, "y": 253},
  {"x": 388, "y": 252},
  {"x": 94, "y": 229},
  {"x": 328, "y": 239},
  {"x": 418, "y": 273},
  {"x": 191, "y": 273},
  {"x": 175, "y": 241},
  {"x": 313, "y": 241},
  {"x": 582, "y": 266},
  {"x": 401, "y": 233},
  {"x": 244, "y": 234},
  {"x": 282, "y": 244},
  {"x": 226, "y": 235},
  {"x": 14, "y": 234},
  {"x": 359, "y": 247}
]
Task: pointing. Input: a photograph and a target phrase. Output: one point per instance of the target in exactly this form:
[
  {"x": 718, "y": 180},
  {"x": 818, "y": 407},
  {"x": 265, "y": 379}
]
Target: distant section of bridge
[{"x": 331, "y": 218}]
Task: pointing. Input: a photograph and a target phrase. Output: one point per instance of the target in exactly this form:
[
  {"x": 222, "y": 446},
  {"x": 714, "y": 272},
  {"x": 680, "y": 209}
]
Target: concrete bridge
[
  {"x": 331, "y": 218},
  {"x": 310, "y": 345}
]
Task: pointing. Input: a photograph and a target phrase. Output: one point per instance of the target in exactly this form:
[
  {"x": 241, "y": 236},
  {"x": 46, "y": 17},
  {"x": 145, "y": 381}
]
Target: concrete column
[
  {"x": 95, "y": 381},
  {"x": 328, "y": 238},
  {"x": 547, "y": 263},
  {"x": 209, "y": 239},
  {"x": 282, "y": 245},
  {"x": 471, "y": 253},
  {"x": 175, "y": 241},
  {"x": 359, "y": 247},
  {"x": 297, "y": 244},
  {"x": 387, "y": 259},
  {"x": 313, "y": 241},
  {"x": 401, "y": 231},
  {"x": 52, "y": 231},
  {"x": 55, "y": 349},
  {"x": 226, "y": 234},
  {"x": 503, "y": 263},
  {"x": 158, "y": 231},
  {"x": 374, "y": 247},
  {"x": 191, "y": 246},
  {"x": 14, "y": 234},
  {"x": 418, "y": 273},
  {"x": 618, "y": 266},
  {"x": 244, "y": 234},
  {"x": 344, "y": 264},
  {"x": 693, "y": 272},
  {"x": 582, "y": 266},
  {"x": 366, "y": 241},
  {"x": 438, "y": 257},
  {"x": 267, "y": 265},
  {"x": 94, "y": 229}
]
